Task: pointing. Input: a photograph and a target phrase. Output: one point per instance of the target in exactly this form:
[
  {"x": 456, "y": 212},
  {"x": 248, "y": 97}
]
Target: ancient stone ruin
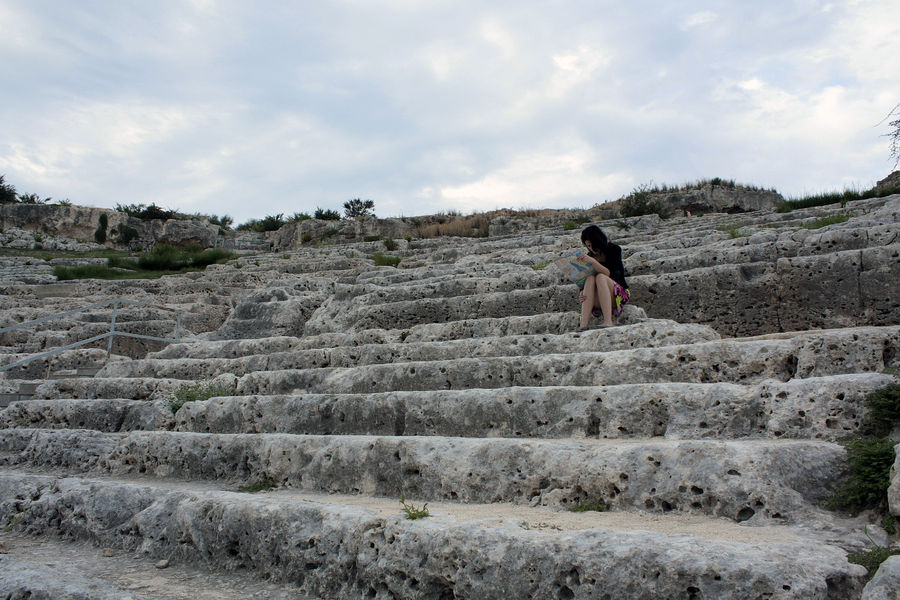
[{"x": 696, "y": 440}]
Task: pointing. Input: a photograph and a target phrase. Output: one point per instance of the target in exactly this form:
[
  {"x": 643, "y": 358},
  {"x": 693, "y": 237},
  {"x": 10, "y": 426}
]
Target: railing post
[{"x": 112, "y": 329}]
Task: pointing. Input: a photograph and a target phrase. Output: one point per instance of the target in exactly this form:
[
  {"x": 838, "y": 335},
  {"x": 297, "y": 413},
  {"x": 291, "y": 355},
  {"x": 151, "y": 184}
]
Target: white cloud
[
  {"x": 551, "y": 177},
  {"x": 703, "y": 17},
  {"x": 574, "y": 68},
  {"x": 500, "y": 37},
  {"x": 444, "y": 60},
  {"x": 436, "y": 105}
]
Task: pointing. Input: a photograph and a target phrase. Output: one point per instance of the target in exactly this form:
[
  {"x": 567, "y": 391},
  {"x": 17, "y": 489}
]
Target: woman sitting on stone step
[{"x": 605, "y": 293}]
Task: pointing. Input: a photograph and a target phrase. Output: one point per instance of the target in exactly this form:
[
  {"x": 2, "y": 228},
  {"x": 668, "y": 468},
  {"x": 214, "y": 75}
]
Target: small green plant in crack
[
  {"x": 590, "y": 505},
  {"x": 541, "y": 265},
  {"x": 13, "y": 522},
  {"x": 404, "y": 335},
  {"x": 734, "y": 230},
  {"x": 870, "y": 465},
  {"x": 889, "y": 524},
  {"x": 883, "y": 410},
  {"x": 870, "y": 456},
  {"x": 411, "y": 511},
  {"x": 825, "y": 221},
  {"x": 196, "y": 392},
  {"x": 263, "y": 485},
  {"x": 872, "y": 559},
  {"x": 383, "y": 260}
]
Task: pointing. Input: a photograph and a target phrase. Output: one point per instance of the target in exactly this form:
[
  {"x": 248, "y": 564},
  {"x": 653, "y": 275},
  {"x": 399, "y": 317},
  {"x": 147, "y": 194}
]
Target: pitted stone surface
[
  {"x": 100, "y": 415},
  {"x": 740, "y": 480},
  {"x": 650, "y": 334},
  {"x": 459, "y": 377},
  {"x": 821, "y": 408},
  {"x": 347, "y": 552},
  {"x": 708, "y": 362}
]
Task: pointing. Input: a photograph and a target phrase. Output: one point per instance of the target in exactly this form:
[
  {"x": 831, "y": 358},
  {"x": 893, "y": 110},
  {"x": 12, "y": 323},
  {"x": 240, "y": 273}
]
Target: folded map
[{"x": 575, "y": 267}]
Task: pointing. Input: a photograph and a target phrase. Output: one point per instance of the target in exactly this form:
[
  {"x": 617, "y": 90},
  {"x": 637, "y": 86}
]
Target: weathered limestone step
[
  {"x": 81, "y": 358},
  {"x": 842, "y": 289},
  {"x": 740, "y": 480},
  {"x": 461, "y": 285},
  {"x": 657, "y": 331},
  {"x": 647, "y": 335},
  {"x": 344, "y": 551},
  {"x": 117, "y": 414},
  {"x": 50, "y": 567},
  {"x": 815, "y": 408},
  {"x": 137, "y": 388},
  {"x": 763, "y": 243},
  {"x": 808, "y": 355},
  {"x": 762, "y": 246},
  {"x": 55, "y": 335}
]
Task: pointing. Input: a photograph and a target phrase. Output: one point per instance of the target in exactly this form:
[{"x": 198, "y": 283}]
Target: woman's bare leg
[
  {"x": 606, "y": 291},
  {"x": 589, "y": 294}
]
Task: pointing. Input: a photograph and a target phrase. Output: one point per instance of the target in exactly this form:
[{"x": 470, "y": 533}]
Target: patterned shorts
[{"x": 621, "y": 299}]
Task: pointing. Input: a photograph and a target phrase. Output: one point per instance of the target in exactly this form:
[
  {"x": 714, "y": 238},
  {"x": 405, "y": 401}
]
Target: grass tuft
[
  {"x": 196, "y": 392},
  {"x": 413, "y": 513},
  {"x": 383, "y": 260},
  {"x": 872, "y": 559},
  {"x": 471, "y": 226},
  {"x": 164, "y": 259},
  {"x": 590, "y": 505},
  {"x": 825, "y": 221},
  {"x": 834, "y": 198},
  {"x": 733, "y": 230},
  {"x": 263, "y": 485}
]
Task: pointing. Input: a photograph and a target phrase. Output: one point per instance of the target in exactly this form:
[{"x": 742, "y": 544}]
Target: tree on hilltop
[{"x": 359, "y": 208}]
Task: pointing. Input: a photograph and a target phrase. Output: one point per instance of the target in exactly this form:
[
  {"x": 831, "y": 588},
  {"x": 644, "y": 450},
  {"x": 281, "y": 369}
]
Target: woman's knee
[{"x": 604, "y": 282}]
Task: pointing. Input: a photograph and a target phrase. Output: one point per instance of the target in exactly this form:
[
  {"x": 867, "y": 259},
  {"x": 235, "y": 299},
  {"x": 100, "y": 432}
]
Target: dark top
[{"x": 612, "y": 260}]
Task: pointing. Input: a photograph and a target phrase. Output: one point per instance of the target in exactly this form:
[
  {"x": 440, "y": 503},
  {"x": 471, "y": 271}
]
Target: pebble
[{"x": 162, "y": 564}]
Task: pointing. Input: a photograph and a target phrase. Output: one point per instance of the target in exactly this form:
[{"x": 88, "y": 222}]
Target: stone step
[
  {"x": 761, "y": 246},
  {"x": 351, "y": 314},
  {"x": 825, "y": 408},
  {"x": 650, "y": 334},
  {"x": 49, "y": 567},
  {"x": 730, "y": 361},
  {"x": 794, "y": 293},
  {"x": 763, "y": 480},
  {"x": 80, "y": 358},
  {"x": 815, "y": 408},
  {"x": 332, "y": 550},
  {"x": 61, "y": 334},
  {"x": 136, "y": 388},
  {"x": 117, "y": 414},
  {"x": 545, "y": 323}
]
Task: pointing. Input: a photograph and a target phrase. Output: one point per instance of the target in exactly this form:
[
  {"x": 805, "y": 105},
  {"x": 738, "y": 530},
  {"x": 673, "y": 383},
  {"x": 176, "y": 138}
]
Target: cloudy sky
[{"x": 258, "y": 108}]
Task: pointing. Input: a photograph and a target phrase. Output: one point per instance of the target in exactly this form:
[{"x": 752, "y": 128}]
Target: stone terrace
[{"x": 705, "y": 421}]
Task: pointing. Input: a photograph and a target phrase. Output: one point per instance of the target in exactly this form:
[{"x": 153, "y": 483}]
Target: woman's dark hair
[{"x": 596, "y": 236}]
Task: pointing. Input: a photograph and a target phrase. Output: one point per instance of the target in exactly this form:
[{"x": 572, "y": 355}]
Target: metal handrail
[{"x": 111, "y": 334}]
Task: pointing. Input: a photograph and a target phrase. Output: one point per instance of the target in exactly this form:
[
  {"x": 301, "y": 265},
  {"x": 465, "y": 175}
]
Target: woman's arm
[{"x": 597, "y": 265}]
